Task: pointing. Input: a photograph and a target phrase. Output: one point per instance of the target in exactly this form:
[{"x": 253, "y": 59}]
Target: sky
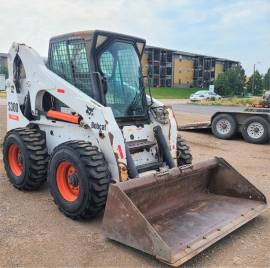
[{"x": 237, "y": 30}]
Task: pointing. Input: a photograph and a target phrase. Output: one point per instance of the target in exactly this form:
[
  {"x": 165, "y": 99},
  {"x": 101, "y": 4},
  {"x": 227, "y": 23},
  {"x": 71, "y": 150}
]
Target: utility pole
[
  {"x": 268, "y": 75},
  {"x": 253, "y": 80}
]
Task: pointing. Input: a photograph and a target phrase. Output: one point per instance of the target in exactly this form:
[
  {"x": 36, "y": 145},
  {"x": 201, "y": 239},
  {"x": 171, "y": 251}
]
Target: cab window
[{"x": 69, "y": 60}]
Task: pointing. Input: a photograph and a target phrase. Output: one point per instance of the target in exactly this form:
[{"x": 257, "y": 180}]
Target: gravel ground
[{"x": 34, "y": 233}]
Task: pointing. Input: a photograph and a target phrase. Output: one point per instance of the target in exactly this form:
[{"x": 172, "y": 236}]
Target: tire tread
[
  {"x": 184, "y": 156},
  {"x": 35, "y": 145},
  {"x": 97, "y": 174}
]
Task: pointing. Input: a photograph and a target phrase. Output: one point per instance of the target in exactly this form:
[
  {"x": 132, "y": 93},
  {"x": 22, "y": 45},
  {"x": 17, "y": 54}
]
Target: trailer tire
[
  {"x": 25, "y": 158},
  {"x": 184, "y": 156},
  {"x": 79, "y": 179},
  {"x": 224, "y": 126},
  {"x": 256, "y": 130}
]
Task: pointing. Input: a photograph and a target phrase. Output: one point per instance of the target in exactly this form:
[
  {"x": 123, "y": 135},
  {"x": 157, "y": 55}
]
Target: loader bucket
[{"x": 176, "y": 215}]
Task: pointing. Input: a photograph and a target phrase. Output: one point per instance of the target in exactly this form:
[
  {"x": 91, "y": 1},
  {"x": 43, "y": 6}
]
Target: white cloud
[{"x": 211, "y": 27}]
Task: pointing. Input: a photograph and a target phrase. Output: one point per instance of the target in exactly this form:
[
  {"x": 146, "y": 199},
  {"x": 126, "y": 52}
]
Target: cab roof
[{"x": 89, "y": 34}]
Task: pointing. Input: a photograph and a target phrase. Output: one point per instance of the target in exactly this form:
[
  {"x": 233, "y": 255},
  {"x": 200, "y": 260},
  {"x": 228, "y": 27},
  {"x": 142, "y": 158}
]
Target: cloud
[{"x": 234, "y": 29}]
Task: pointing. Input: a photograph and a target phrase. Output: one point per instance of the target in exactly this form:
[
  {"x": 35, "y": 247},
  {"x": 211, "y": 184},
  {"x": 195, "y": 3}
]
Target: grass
[
  {"x": 160, "y": 93},
  {"x": 172, "y": 93},
  {"x": 232, "y": 101},
  {"x": 184, "y": 93}
]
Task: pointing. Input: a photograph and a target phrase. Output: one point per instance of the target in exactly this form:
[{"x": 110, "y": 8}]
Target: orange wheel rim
[
  {"x": 67, "y": 181},
  {"x": 15, "y": 160}
]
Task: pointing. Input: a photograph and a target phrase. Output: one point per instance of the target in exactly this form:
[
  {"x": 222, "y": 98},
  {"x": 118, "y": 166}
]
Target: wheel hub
[
  {"x": 15, "y": 159},
  {"x": 255, "y": 130},
  {"x": 68, "y": 181},
  {"x": 73, "y": 180},
  {"x": 20, "y": 158},
  {"x": 223, "y": 126}
]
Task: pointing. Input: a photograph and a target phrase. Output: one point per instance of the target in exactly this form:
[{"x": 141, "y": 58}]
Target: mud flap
[{"x": 175, "y": 215}]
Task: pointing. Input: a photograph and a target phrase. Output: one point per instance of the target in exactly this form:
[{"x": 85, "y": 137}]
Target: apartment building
[
  {"x": 170, "y": 68},
  {"x": 157, "y": 64},
  {"x": 3, "y": 59}
]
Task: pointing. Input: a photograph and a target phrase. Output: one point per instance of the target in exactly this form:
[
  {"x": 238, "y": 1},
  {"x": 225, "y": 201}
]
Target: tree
[
  {"x": 255, "y": 84},
  {"x": 4, "y": 70},
  {"x": 231, "y": 82},
  {"x": 266, "y": 80}
]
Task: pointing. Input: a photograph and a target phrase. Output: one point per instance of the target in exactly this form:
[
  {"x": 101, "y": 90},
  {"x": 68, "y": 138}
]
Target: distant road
[
  {"x": 187, "y": 108},
  {"x": 204, "y": 109}
]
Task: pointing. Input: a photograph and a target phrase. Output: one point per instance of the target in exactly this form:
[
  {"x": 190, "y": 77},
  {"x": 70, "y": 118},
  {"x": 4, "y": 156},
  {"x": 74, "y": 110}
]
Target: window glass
[
  {"x": 106, "y": 63},
  {"x": 59, "y": 61},
  {"x": 69, "y": 60},
  {"x": 79, "y": 66},
  {"x": 120, "y": 65}
]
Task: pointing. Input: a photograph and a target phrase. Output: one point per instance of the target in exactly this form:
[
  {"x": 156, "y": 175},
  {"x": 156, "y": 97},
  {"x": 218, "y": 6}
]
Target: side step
[
  {"x": 150, "y": 166},
  {"x": 139, "y": 145}
]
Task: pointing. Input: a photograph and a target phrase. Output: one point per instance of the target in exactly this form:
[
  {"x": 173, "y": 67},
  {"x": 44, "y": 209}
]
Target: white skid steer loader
[{"x": 84, "y": 121}]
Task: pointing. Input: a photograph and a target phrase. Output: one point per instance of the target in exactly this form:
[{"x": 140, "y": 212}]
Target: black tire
[
  {"x": 92, "y": 177},
  {"x": 184, "y": 157},
  {"x": 32, "y": 158},
  {"x": 259, "y": 134},
  {"x": 229, "y": 123}
]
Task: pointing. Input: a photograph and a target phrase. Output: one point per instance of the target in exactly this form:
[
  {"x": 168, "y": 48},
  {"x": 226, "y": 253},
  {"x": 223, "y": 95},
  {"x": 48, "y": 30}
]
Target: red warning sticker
[{"x": 13, "y": 117}]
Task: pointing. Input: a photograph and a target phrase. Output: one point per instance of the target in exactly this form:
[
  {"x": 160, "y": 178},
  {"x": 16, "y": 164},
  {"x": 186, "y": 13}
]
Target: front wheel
[
  {"x": 224, "y": 126},
  {"x": 256, "y": 130},
  {"x": 79, "y": 179},
  {"x": 184, "y": 156}
]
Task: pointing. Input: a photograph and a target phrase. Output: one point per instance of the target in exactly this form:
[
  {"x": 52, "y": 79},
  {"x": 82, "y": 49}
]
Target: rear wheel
[
  {"x": 184, "y": 156},
  {"x": 224, "y": 126},
  {"x": 79, "y": 179},
  {"x": 25, "y": 158},
  {"x": 256, "y": 130}
]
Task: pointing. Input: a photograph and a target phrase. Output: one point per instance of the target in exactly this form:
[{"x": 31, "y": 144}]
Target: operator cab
[{"x": 106, "y": 66}]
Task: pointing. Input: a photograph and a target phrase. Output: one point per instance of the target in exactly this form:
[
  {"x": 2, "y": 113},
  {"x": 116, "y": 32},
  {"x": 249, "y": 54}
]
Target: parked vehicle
[
  {"x": 204, "y": 95},
  {"x": 252, "y": 123}
]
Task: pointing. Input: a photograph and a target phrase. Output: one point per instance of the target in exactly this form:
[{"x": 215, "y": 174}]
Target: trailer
[{"x": 252, "y": 123}]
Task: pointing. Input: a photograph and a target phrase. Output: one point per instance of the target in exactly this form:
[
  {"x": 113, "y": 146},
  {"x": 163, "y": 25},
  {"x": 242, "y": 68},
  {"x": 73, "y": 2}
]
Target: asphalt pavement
[
  {"x": 187, "y": 108},
  {"x": 204, "y": 109}
]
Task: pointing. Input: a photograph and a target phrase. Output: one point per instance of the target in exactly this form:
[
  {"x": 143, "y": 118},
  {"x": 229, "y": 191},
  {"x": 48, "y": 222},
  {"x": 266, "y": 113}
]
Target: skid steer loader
[{"x": 83, "y": 120}]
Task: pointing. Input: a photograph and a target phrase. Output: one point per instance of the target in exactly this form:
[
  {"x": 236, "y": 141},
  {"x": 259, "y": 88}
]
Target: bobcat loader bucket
[{"x": 176, "y": 215}]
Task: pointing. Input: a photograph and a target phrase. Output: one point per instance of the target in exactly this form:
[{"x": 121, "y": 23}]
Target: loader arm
[{"x": 98, "y": 120}]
